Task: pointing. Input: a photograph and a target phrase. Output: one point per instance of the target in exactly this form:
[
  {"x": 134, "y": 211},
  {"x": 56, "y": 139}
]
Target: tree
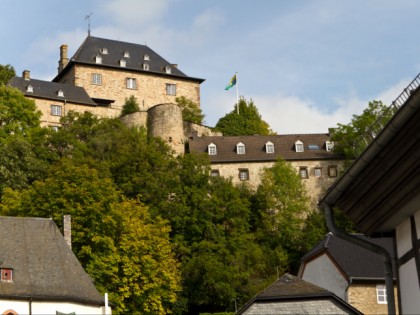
[
  {"x": 245, "y": 121},
  {"x": 191, "y": 112},
  {"x": 130, "y": 106},
  {"x": 7, "y": 72},
  {"x": 350, "y": 140},
  {"x": 18, "y": 115}
]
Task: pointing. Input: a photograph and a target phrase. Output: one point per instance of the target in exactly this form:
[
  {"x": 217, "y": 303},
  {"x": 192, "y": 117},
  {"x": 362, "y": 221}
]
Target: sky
[{"x": 306, "y": 64}]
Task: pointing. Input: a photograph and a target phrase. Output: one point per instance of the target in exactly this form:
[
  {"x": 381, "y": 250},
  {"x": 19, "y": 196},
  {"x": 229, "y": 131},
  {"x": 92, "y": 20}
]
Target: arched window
[
  {"x": 299, "y": 146},
  {"x": 269, "y": 147},
  {"x": 240, "y": 148},
  {"x": 212, "y": 149}
]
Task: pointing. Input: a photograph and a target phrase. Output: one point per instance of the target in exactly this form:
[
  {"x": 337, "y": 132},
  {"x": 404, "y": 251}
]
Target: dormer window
[
  {"x": 126, "y": 54},
  {"x": 104, "y": 51},
  {"x": 60, "y": 93},
  {"x": 30, "y": 89},
  {"x": 240, "y": 148},
  {"x": 6, "y": 274},
  {"x": 98, "y": 59},
  {"x": 146, "y": 58},
  {"x": 146, "y": 66},
  {"x": 123, "y": 63},
  {"x": 212, "y": 149},
  {"x": 269, "y": 147},
  {"x": 299, "y": 146},
  {"x": 168, "y": 69},
  {"x": 329, "y": 145}
]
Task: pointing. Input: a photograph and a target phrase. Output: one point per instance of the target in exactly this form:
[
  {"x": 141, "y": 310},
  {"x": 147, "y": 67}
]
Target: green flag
[{"x": 232, "y": 83}]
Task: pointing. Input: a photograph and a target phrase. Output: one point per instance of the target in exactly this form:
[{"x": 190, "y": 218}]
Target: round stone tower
[{"x": 165, "y": 121}]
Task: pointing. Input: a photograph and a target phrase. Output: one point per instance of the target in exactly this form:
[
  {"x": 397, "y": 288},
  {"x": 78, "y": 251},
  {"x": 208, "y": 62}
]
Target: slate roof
[
  {"x": 290, "y": 288},
  {"x": 356, "y": 262},
  {"x": 48, "y": 90},
  {"x": 93, "y": 46},
  {"x": 44, "y": 267},
  {"x": 284, "y": 146}
]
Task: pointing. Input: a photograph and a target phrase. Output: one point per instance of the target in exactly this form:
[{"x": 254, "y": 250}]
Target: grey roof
[
  {"x": 44, "y": 267},
  {"x": 48, "y": 90},
  {"x": 290, "y": 288},
  {"x": 284, "y": 146},
  {"x": 93, "y": 46},
  {"x": 356, "y": 262}
]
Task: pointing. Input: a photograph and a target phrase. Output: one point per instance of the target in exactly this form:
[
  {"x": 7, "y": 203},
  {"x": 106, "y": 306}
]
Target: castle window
[
  {"x": 212, "y": 149},
  {"x": 146, "y": 66},
  {"x": 126, "y": 54},
  {"x": 170, "y": 89},
  {"x": 240, "y": 148},
  {"x": 97, "y": 78},
  {"x": 299, "y": 146},
  {"x": 303, "y": 172},
  {"x": 104, "y": 51},
  {"x": 329, "y": 145},
  {"x": 56, "y": 110},
  {"x": 168, "y": 69},
  {"x": 332, "y": 171},
  {"x": 215, "y": 173},
  {"x": 60, "y": 93},
  {"x": 381, "y": 294},
  {"x": 98, "y": 59},
  {"x": 243, "y": 174},
  {"x": 131, "y": 83},
  {"x": 30, "y": 89},
  {"x": 123, "y": 63},
  {"x": 317, "y": 172},
  {"x": 6, "y": 274},
  {"x": 269, "y": 147},
  {"x": 313, "y": 147},
  {"x": 54, "y": 128},
  {"x": 146, "y": 57}
]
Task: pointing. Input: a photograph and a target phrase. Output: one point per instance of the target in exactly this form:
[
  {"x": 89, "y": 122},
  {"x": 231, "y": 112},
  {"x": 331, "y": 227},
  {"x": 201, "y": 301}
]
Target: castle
[{"x": 103, "y": 73}]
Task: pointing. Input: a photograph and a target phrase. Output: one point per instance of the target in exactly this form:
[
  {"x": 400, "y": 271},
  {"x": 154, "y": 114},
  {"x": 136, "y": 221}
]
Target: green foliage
[
  {"x": 7, "y": 72},
  {"x": 247, "y": 122},
  {"x": 130, "y": 106},
  {"x": 191, "y": 112},
  {"x": 351, "y": 139},
  {"x": 18, "y": 115}
]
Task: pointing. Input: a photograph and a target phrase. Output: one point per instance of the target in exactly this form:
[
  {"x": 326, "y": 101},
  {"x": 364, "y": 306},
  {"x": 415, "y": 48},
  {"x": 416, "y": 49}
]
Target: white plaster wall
[
  {"x": 403, "y": 234},
  {"x": 322, "y": 272},
  {"x": 46, "y": 308}
]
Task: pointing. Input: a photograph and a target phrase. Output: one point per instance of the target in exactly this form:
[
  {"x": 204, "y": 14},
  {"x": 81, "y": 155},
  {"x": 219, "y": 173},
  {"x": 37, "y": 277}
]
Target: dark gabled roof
[
  {"x": 291, "y": 288},
  {"x": 284, "y": 146},
  {"x": 48, "y": 90},
  {"x": 93, "y": 46},
  {"x": 356, "y": 262},
  {"x": 44, "y": 267}
]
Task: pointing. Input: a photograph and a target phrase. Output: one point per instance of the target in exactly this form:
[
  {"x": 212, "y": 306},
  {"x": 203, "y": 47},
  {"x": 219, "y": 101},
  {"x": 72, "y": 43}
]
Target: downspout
[{"x": 389, "y": 282}]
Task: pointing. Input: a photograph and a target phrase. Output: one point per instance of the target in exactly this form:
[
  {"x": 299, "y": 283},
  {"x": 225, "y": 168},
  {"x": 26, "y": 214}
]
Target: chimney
[
  {"x": 64, "y": 60},
  {"x": 26, "y": 74},
  {"x": 67, "y": 229}
]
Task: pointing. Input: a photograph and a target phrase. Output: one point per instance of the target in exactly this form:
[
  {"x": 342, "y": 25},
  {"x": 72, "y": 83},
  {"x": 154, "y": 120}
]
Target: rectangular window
[
  {"x": 97, "y": 78},
  {"x": 56, "y": 110},
  {"x": 243, "y": 174},
  {"x": 131, "y": 83},
  {"x": 215, "y": 173},
  {"x": 332, "y": 171},
  {"x": 381, "y": 294},
  {"x": 317, "y": 172},
  {"x": 6, "y": 274},
  {"x": 170, "y": 89},
  {"x": 303, "y": 172}
]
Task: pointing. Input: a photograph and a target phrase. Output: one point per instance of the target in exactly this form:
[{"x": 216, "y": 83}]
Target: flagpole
[{"x": 237, "y": 94}]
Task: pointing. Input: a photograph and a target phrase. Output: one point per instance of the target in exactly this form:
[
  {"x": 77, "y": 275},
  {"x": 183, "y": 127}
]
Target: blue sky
[{"x": 306, "y": 64}]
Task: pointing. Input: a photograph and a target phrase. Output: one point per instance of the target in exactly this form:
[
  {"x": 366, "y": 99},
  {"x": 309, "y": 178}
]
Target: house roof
[
  {"x": 116, "y": 51},
  {"x": 44, "y": 267},
  {"x": 354, "y": 261},
  {"x": 49, "y": 90},
  {"x": 255, "y": 150},
  {"x": 381, "y": 188},
  {"x": 289, "y": 288}
]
